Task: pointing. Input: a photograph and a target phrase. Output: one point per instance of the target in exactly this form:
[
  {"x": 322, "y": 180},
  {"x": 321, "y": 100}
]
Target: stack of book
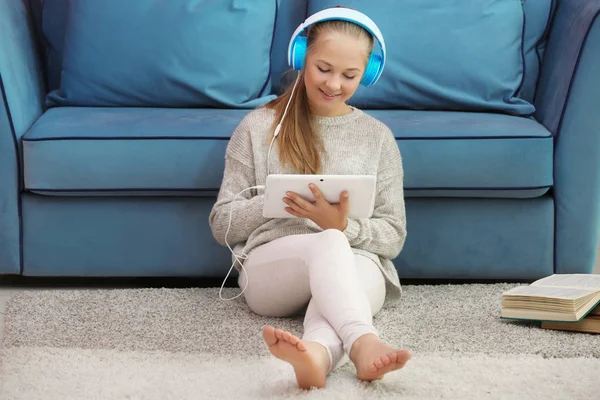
[{"x": 560, "y": 301}]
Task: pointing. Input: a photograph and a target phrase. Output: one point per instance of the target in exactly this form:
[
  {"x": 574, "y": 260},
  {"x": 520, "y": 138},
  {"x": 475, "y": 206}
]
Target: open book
[{"x": 559, "y": 297}]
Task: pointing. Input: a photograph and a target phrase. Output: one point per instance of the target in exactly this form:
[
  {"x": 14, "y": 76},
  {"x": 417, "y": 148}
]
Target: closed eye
[{"x": 326, "y": 70}]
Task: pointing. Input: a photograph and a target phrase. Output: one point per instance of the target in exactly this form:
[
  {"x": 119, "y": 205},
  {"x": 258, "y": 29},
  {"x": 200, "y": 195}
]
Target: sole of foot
[
  {"x": 309, "y": 359},
  {"x": 373, "y": 358}
]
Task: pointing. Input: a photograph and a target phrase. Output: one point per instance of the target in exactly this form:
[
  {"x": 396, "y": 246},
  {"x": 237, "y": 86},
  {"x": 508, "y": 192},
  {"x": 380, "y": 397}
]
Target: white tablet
[{"x": 360, "y": 188}]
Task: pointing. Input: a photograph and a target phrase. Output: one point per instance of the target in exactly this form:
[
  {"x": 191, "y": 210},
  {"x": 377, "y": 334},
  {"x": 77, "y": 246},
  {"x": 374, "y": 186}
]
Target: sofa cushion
[
  {"x": 145, "y": 151},
  {"x": 538, "y": 16},
  {"x": 128, "y": 150},
  {"x": 461, "y": 154},
  {"x": 178, "y": 53},
  {"x": 446, "y": 55},
  {"x": 290, "y": 14},
  {"x": 54, "y": 14}
]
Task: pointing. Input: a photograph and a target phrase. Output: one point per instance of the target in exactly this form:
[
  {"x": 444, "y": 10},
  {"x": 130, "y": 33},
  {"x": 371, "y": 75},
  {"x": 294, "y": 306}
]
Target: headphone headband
[{"x": 376, "y": 63}]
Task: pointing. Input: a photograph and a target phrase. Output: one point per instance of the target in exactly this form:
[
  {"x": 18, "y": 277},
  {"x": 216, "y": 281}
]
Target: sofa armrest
[
  {"x": 21, "y": 103},
  {"x": 567, "y": 104}
]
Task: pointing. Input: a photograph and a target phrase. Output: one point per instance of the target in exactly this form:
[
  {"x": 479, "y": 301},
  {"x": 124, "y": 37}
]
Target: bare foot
[
  {"x": 309, "y": 359},
  {"x": 373, "y": 358}
]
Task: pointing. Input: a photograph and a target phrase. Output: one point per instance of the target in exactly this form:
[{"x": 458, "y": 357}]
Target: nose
[{"x": 333, "y": 83}]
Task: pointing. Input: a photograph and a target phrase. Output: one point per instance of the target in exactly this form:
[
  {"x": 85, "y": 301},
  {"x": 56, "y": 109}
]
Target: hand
[{"x": 321, "y": 212}]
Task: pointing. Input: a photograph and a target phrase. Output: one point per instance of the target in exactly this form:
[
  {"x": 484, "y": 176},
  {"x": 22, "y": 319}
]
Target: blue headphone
[{"x": 298, "y": 43}]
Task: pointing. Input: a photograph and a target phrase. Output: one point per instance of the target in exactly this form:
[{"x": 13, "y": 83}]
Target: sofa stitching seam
[{"x": 149, "y": 138}]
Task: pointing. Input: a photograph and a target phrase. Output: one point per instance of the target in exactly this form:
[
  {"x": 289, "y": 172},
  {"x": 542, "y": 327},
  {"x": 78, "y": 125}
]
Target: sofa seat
[
  {"x": 462, "y": 154},
  {"x": 147, "y": 151}
]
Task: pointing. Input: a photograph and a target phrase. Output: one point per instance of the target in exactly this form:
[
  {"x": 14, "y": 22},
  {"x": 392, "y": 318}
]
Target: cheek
[
  {"x": 351, "y": 86},
  {"x": 311, "y": 80}
]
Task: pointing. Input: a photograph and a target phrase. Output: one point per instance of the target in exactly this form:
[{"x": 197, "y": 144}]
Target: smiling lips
[{"x": 328, "y": 95}]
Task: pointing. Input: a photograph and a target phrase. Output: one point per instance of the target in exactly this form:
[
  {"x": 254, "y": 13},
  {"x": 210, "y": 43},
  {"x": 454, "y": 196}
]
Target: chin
[{"x": 324, "y": 106}]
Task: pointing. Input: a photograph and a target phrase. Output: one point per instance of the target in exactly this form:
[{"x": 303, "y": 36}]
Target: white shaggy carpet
[{"x": 187, "y": 344}]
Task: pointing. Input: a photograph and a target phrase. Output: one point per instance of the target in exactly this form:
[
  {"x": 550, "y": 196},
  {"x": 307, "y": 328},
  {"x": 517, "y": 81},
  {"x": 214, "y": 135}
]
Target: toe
[
  {"x": 379, "y": 363},
  {"x": 403, "y": 356},
  {"x": 279, "y": 333},
  {"x": 269, "y": 335},
  {"x": 301, "y": 346},
  {"x": 386, "y": 360},
  {"x": 293, "y": 339},
  {"x": 393, "y": 357},
  {"x": 286, "y": 336}
]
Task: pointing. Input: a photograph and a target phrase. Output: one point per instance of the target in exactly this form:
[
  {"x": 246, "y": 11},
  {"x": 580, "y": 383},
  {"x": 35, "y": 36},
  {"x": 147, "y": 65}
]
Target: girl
[{"x": 335, "y": 269}]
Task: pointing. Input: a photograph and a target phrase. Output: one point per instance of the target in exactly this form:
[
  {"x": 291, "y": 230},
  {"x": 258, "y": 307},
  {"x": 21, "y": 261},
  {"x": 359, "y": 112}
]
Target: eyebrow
[{"x": 349, "y": 69}]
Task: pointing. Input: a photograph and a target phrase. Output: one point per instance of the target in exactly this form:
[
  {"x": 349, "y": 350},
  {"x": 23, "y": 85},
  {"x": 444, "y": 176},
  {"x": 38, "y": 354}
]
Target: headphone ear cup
[
  {"x": 372, "y": 70},
  {"x": 299, "y": 52}
]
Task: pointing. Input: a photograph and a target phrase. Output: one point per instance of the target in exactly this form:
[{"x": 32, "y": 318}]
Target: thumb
[{"x": 345, "y": 203}]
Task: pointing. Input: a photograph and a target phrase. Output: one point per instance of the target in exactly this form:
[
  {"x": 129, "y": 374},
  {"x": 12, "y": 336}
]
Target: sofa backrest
[
  {"x": 51, "y": 19},
  {"x": 538, "y": 17},
  {"x": 290, "y": 14}
]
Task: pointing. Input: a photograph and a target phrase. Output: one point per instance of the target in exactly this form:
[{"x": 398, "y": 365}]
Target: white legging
[{"x": 319, "y": 273}]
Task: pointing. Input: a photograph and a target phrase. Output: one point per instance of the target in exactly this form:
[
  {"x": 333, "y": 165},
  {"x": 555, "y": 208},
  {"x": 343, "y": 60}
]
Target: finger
[
  {"x": 316, "y": 193},
  {"x": 294, "y": 213},
  {"x": 302, "y": 203},
  {"x": 345, "y": 202},
  {"x": 292, "y": 204}
]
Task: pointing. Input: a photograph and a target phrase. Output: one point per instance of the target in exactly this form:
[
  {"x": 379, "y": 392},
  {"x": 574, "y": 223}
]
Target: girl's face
[{"x": 334, "y": 67}]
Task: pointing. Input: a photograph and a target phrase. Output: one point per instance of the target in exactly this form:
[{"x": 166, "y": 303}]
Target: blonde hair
[{"x": 298, "y": 142}]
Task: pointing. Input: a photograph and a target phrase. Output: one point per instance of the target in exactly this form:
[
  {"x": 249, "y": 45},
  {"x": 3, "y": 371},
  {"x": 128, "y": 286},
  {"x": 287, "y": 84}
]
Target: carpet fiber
[{"x": 187, "y": 344}]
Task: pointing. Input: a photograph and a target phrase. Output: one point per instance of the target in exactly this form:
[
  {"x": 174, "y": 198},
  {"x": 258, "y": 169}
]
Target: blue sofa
[{"x": 112, "y": 147}]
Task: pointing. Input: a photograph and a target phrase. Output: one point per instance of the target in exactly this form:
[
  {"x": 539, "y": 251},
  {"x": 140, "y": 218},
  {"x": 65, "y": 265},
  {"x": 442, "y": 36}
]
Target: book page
[
  {"x": 551, "y": 292},
  {"x": 588, "y": 281}
]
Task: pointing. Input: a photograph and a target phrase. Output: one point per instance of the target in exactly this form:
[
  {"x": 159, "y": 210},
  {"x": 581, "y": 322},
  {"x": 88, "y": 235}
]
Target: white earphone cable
[
  {"x": 278, "y": 127},
  {"x": 241, "y": 258}
]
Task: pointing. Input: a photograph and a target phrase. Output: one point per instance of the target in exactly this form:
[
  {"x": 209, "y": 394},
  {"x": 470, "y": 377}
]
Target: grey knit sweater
[{"x": 355, "y": 143}]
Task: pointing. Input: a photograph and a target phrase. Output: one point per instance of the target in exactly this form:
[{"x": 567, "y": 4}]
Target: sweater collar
[{"x": 340, "y": 120}]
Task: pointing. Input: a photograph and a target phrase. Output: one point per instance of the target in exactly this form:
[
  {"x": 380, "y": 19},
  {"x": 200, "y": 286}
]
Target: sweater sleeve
[
  {"x": 384, "y": 233},
  {"x": 248, "y": 206}
]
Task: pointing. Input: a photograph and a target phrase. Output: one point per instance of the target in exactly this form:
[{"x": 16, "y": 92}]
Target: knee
[
  {"x": 328, "y": 242},
  {"x": 333, "y": 240},
  {"x": 333, "y": 236}
]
